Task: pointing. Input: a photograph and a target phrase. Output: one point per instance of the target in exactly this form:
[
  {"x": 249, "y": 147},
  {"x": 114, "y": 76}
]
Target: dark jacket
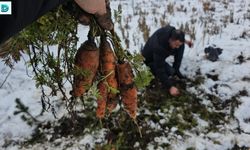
[
  {"x": 24, "y": 12},
  {"x": 157, "y": 49}
]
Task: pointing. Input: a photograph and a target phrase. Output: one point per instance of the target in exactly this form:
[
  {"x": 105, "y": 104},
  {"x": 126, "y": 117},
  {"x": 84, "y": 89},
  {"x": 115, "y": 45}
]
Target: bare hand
[
  {"x": 174, "y": 91},
  {"x": 190, "y": 44}
]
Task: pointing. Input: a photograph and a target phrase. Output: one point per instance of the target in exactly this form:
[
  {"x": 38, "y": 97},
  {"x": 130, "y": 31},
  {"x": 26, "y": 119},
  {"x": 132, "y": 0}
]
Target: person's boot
[{"x": 105, "y": 20}]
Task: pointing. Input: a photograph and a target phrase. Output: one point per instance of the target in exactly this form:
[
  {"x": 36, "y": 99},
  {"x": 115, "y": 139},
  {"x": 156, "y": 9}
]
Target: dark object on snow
[
  {"x": 241, "y": 58},
  {"x": 212, "y": 53}
]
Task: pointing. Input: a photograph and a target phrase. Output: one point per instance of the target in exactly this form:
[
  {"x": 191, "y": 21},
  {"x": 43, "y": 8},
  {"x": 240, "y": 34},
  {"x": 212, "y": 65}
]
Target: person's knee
[{"x": 169, "y": 70}]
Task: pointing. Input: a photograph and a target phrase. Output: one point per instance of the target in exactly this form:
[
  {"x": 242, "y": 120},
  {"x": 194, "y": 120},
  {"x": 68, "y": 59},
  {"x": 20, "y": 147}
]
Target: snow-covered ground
[{"x": 233, "y": 76}]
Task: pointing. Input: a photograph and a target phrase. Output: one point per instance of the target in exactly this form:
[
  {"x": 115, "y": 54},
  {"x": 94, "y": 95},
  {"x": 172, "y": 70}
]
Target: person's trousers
[{"x": 170, "y": 71}]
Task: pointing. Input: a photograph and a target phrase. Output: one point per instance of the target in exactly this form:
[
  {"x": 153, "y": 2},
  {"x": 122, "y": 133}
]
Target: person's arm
[
  {"x": 189, "y": 43},
  {"x": 177, "y": 61},
  {"x": 163, "y": 76},
  {"x": 160, "y": 71},
  {"x": 24, "y": 13}
]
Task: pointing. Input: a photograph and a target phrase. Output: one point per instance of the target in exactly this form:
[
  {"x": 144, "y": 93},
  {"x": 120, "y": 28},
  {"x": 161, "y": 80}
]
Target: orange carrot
[
  {"x": 125, "y": 73},
  {"x": 101, "y": 101},
  {"x": 129, "y": 100},
  {"x": 111, "y": 104},
  {"x": 127, "y": 88},
  {"x": 108, "y": 65},
  {"x": 86, "y": 59}
]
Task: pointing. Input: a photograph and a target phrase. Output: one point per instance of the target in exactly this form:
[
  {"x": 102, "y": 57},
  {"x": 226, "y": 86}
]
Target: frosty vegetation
[{"x": 211, "y": 113}]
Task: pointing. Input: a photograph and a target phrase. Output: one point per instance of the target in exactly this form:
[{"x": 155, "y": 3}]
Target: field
[{"x": 211, "y": 114}]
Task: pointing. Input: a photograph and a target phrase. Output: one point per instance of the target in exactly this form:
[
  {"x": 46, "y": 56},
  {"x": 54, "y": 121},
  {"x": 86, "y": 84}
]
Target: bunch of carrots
[{"x": 117, "y": 76}]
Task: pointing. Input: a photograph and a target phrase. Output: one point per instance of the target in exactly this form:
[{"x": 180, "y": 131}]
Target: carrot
[
  {"x": 86, "y": 59},
  {"x": 127, "y": 88},
  {"x": 108, "y": 65},
  {"x": 111, "y": 104},
  {"x": 129, "y": 100},
  {"x": 101, "y": 101},
  {"x": 125, "y": 74}
]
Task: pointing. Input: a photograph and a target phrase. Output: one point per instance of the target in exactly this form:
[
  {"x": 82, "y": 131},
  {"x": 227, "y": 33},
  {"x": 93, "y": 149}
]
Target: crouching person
[{"x": 164, "y": 42}]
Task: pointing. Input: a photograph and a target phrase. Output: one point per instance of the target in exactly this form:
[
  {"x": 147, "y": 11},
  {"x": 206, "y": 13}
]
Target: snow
[
  {"x": 17, "y": 85},
  {"x": 241, "y": 113},
  {"x": 230, "y": 73}
]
